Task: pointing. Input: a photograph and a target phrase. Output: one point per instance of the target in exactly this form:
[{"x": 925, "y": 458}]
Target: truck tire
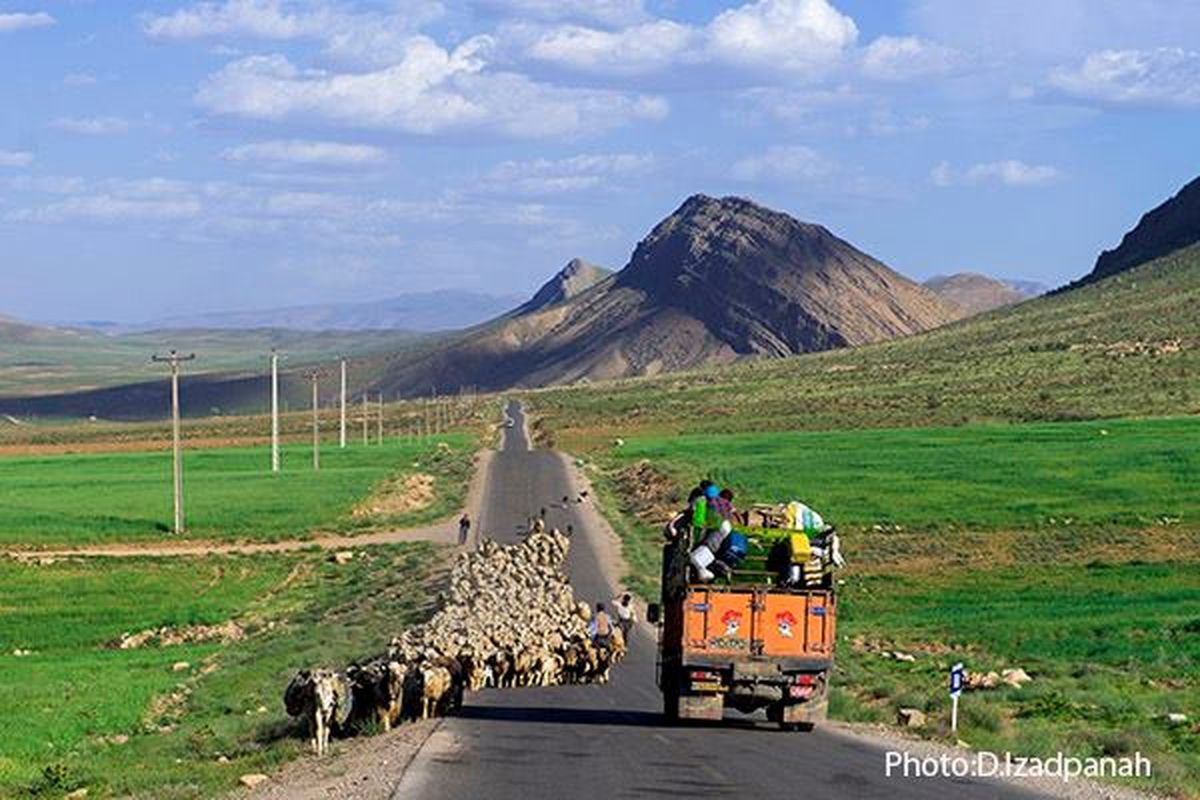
[{"x": 671, "y": 707}]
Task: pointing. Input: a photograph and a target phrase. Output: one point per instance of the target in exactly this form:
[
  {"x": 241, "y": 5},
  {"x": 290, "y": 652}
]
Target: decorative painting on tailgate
[
  {"x": 797, "y": 625},
  {"x": 718, "y": 621}
]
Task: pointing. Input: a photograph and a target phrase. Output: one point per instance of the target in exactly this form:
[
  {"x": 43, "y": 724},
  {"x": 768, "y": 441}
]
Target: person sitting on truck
[
  {"x": 600, "y": 628},
  {"x": 721, "y": 506}
]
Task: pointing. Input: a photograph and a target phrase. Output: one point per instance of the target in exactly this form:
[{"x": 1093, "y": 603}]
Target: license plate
[
  {"x": 707, "y": 686},
  {"x": 800, "y": 692}
]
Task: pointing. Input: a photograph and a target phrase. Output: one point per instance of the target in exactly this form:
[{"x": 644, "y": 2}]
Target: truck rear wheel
[
  {"x": 671, "y": 707},
  {"x": 670, "y": 693}
]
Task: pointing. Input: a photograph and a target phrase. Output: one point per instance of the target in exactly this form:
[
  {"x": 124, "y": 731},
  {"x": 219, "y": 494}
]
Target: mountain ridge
[{"x": 1170, "y": 226}]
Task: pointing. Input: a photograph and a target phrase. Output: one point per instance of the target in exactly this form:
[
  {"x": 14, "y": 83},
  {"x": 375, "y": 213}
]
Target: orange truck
[{"x": 745, "y": 642}]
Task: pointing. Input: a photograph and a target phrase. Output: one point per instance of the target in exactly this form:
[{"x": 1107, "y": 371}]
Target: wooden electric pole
[
  {"x": 379, "y": 432},
  {"x": 174, "y": 360},
  {"x": 274, "y": 411},
  {"x": 366, "y": 420},
  {"x": 315, "y": 376},
  {"x": 342, "y": 438}
]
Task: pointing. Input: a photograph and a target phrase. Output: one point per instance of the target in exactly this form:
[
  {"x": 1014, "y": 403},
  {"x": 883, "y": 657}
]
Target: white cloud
[
  {"x": 15, "y": 158},
  {"x": 310, "y": 153},
  {"x": 261, "y": 19},
  {"x": 361, "y": 38},
  {"x": 19, "y": 21},
  {"x": 338, "y": 221},
  {"x": 119, "y": 201},
  {"x": 551, "y": 177},
  {"x": 92, "y": 126},
  {"x": 1167, "y": 76},
  {"x": 788, "y": 163},
  {"x": 79, "y": 79},
  {"x": 1010, "y": 172},
  {"x": 788, "y": 34},
  {"x": 792, "y": 35},
  {"x": 899, "y": 58},
  {"x": 633, "y": 50},
  {"x": 428, "y": 91},
  {"x": 612, "y": 13}
]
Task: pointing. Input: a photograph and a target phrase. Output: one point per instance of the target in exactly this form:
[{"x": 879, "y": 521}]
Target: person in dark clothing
[{"x": 464, "y": 529}]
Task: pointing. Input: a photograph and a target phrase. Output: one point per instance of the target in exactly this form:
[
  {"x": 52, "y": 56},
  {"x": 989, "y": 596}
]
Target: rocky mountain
[
  {"x": 975, "y": 293},
  {"x": 763, "y": 282},
  {"x": 441, "y": 310},
  {"x": 1171, "y": 226},
  {"x": 716, "y": 280},
  {"x": 575, "y": 278}
]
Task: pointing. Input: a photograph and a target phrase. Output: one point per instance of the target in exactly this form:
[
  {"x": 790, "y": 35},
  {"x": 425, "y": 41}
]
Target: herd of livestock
[{"x": 510, "y": 619}]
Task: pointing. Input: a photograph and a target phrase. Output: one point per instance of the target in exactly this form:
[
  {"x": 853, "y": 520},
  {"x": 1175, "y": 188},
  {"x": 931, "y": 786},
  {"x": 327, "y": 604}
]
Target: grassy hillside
[
  {"x": 1127, "y": 346},
  {"x": 36, "y": 361}
]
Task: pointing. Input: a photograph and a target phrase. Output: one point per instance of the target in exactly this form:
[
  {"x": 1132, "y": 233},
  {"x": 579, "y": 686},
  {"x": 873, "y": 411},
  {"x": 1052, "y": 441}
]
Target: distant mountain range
[
  {"x": 716, "y": 280},
  {"x": 976, "y": 293},
  {"x": 442, "y": 310}
]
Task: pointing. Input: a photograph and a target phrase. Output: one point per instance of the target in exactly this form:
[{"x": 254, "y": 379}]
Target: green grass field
[
  {"x": 65, "y": 702},
  {"x": 230, "y": 494},
  {"x": 1118, "y": 472}
]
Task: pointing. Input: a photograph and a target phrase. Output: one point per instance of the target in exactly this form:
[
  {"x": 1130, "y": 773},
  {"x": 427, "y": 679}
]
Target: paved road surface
[{"x": 582, "y": 742}]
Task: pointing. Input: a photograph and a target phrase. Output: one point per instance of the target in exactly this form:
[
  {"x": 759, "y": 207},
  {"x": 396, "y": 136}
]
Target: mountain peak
[
  {"x": 575, "y": 278},
  {"x": 765, "y": 282},
  {"x": 1171, "y": 226}
]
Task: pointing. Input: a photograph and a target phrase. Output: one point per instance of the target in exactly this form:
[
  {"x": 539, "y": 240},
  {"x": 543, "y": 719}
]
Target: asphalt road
[{"x": 609, "y": 742}]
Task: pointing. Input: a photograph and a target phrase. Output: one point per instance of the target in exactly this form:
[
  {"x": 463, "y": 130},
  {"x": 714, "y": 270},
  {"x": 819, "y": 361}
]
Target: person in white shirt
[{"x": 626, "y": 615}]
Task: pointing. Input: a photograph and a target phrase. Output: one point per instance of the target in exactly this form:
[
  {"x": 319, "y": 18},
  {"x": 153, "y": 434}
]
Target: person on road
[
  {"x": 600, "y": 628},
  {"x": 464, "y": 528},
  {"x": 626, "y": 615}
]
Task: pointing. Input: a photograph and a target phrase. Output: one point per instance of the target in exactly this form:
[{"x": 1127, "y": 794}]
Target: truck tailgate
[{"x": 721, "y": 621}]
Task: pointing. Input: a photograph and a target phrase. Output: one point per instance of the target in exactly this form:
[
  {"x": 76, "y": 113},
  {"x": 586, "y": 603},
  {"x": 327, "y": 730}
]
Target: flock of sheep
[{"x": 509, "y": 619}]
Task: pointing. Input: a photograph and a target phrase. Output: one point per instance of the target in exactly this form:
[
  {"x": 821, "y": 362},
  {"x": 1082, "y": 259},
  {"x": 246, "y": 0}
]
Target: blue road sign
[{"x": 957, "y": 675}]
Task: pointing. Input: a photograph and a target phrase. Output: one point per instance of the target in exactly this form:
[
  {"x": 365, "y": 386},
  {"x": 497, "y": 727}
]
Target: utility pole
[
  {"x": 315, "y": 376},
  {"x": 366, "y": 421},
  {"x": 380, "y": 431},
  {"x": 174, "y": 360},
  {"x": 274, "y": 410},
  {"x": 342, "y": 438}
]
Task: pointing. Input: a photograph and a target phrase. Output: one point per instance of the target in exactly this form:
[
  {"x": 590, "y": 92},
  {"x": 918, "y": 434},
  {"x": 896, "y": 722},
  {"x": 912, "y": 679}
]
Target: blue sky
[{"x": 160, "y": 158}]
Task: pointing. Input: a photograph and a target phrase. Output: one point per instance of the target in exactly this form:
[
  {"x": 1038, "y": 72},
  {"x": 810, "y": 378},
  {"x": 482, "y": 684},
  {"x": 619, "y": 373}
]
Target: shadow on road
[
  {"x": 564, "y": 716},
  {"x": 599, "y": 716}
]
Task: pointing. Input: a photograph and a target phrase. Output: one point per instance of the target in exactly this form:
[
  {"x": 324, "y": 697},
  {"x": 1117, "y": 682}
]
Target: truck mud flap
[
  {"x": 701, "y": 706},
  {"x": 809, "y": 713}
]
